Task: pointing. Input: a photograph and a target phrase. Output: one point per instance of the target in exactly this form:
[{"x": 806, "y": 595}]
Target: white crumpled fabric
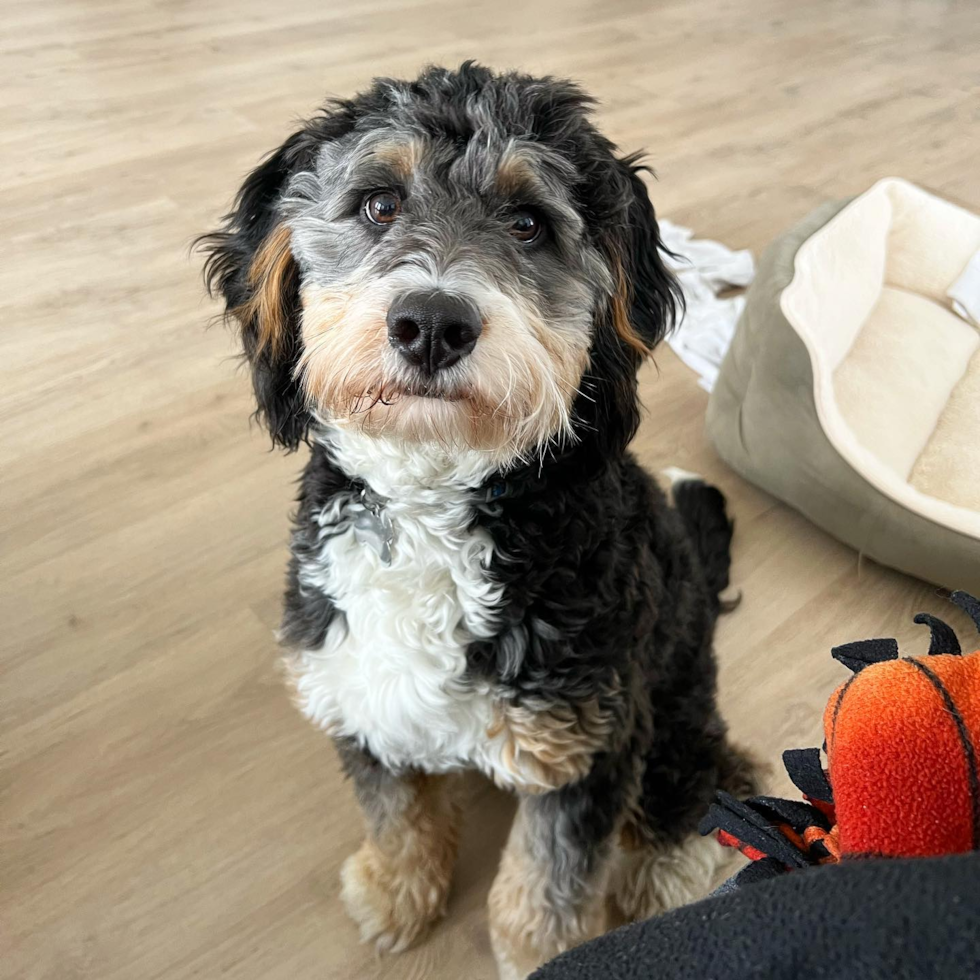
[{"x": 705, "y": 269}]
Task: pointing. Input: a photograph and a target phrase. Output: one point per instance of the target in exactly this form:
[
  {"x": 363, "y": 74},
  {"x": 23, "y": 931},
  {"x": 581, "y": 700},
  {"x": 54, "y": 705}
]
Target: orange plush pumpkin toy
[{"x": 903, "y": 751}]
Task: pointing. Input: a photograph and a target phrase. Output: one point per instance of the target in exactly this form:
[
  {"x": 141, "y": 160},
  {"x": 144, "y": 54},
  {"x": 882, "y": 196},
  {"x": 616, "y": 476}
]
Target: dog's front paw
[
  {"x": 392, "y": 906},
  {"x": 512, "y": 966}
]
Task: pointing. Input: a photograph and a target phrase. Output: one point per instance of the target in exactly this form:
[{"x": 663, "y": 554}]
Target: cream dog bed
[{"x": 852, "y": 388}]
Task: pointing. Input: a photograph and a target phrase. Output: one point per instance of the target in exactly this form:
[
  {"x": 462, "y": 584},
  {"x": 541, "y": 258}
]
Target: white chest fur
[{"x": 390, "y": 673}]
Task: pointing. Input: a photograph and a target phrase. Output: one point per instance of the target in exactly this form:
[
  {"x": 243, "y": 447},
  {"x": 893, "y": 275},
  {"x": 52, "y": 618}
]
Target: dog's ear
[
  {"x": 646, "y": 299},
  {"x": 250, "y": 263}
]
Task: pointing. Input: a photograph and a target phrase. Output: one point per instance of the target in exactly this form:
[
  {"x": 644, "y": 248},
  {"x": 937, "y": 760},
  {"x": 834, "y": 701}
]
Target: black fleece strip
[
  {"x": 862, "y": 653},
  {"x": 806, "y": 771},
  {"x": 944, "y": 639},
  {"x": 969, "y": 752},
  {"x": 752, "y": 828},
  {"x": 969, "y": 604},
  {"x": 798, "y": 815}
]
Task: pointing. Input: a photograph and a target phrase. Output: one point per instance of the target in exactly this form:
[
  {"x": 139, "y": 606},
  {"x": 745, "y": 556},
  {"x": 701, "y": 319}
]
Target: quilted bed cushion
[{"x": 852, "y": 388}]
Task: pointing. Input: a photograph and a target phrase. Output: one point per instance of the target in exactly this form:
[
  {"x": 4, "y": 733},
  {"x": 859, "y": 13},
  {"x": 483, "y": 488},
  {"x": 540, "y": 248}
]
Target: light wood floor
[{"x": 165, "y": 812}]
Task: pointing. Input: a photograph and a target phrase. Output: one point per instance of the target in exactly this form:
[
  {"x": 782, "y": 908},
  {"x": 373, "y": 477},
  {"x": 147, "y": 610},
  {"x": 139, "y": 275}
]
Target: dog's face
[
  {"x": 448, "y": 290},
  {"x": 460, "y": 260}
]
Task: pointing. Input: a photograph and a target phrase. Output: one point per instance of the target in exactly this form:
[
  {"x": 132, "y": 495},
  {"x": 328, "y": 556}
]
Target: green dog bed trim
[{"x": 851, "y": 390}]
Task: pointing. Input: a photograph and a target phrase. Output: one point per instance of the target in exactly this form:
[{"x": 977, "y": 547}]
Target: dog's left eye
[
  {"x": 526, "y": 227},
  {"x": 382, "y": 207}
]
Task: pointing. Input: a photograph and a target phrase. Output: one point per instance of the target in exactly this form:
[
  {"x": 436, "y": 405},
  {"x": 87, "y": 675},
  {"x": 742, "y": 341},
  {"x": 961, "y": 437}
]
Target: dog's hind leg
[
  {"x": 550, "y": 891},
  {"x": 397, "y": 884},
  {"x": 651, "y": 879},
  {"x": 654, "y": 873}
]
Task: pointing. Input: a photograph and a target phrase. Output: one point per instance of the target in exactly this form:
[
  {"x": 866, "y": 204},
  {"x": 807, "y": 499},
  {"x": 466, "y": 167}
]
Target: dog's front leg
[
  {"x": 550, "y": 891},
  {"x": 397, "y": 884}
]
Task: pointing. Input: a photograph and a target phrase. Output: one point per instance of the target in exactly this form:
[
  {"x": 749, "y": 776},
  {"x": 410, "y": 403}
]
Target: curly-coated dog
[{"x": 445, "y": 287}]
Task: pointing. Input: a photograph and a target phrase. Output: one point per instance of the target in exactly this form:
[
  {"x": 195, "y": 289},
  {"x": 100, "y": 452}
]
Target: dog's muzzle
[{"x": 433, "y": 330}]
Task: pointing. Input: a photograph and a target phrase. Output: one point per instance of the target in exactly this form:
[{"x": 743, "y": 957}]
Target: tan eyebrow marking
[
  {"x": 403, "y": 157},
  {"x": 515, "y": 173}
]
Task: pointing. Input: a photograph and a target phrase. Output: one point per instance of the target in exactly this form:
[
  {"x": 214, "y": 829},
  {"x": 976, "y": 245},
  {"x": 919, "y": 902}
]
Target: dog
[{"x": 445, "y": 288}]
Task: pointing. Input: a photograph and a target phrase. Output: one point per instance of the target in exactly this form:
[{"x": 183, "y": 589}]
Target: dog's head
[{"x": 460, "y": 260}]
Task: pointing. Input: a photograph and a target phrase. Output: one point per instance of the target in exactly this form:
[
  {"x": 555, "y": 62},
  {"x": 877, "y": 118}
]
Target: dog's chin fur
[
  {"x": 482, "y": 577},
  {"x": 446, "y": 427}
]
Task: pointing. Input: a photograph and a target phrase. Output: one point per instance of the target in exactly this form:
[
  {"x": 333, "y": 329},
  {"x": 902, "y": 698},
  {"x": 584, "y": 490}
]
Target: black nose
[{"x": 433, "y": 330}]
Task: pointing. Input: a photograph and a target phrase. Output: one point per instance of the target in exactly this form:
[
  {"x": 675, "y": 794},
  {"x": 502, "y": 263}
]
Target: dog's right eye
[
  {"x": 526, "y": 227},
  {"x": 382, "y": 207}
]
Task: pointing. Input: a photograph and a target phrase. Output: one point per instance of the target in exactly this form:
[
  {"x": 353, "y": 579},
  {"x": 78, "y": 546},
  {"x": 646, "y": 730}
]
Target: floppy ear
[
  {"x": 249, "y": 262},
  {"x": 645, "y": 301},
  {"x": 647, "y": 298}
]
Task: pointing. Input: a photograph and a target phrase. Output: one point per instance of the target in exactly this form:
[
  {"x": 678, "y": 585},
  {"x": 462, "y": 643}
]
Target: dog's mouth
[
  {"x": 433, "y": 390},
  {"x": 421, "y": 388}
]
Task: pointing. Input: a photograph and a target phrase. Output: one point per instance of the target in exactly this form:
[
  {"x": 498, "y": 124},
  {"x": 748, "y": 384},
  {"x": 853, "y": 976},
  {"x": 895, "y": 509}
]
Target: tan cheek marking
[
  {"x": 271, "y": 275},
  {"x": 343, "y": 341},
  {"x": 567, "y": 353},
  {"x": 546, "y": 747},
  {"x": 323, "y": 310}
]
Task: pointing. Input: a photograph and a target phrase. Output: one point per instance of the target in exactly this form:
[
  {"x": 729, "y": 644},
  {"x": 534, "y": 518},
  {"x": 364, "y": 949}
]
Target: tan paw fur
[{"x": 393, "y": 910}]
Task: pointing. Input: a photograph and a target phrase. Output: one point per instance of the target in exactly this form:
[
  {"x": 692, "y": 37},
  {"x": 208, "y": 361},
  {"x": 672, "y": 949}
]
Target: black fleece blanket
[{"x": 867, "y": 920}]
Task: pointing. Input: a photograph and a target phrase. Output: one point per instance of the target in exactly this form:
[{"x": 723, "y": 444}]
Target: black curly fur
[{"x": 585, "y": 541}]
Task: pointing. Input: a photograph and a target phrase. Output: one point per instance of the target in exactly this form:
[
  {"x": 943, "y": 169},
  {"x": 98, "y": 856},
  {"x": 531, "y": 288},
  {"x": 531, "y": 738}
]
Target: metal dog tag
[{"x": 373, "y": 527}]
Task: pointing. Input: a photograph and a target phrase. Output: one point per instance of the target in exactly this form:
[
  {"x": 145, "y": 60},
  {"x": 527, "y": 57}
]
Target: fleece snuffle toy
[{"x": 903, "y": 764}]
